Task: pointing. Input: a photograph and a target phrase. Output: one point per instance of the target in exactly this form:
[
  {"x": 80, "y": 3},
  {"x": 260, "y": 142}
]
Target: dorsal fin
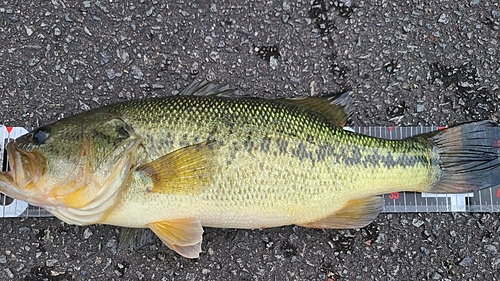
[
  {"x": 335, "y": 108},
  {"x": 206, "y": 88}
]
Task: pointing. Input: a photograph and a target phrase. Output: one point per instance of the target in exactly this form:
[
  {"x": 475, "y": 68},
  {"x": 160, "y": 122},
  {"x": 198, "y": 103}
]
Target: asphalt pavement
[{"x": 406, "y": 63}]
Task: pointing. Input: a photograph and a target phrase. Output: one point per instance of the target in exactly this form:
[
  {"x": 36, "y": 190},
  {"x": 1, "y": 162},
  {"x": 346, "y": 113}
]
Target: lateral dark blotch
[
  {"x": 301, "y": 152},
  {"x": 282, "y": 145},
  {"x": 352, "y": 156},
  {"x": 265, "y": 145},
  {"x": 322, "y": 152}
]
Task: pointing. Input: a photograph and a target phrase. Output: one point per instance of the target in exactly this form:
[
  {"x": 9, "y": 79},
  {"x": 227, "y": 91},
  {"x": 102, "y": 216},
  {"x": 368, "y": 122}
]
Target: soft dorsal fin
[
  {"x": 205, "y": 88},
  {"x": 335, "y": 108},
  {"x": 355, "y": 213},
  {"x": 183, "y": 235},
  {"x": 180, "y": 170}
]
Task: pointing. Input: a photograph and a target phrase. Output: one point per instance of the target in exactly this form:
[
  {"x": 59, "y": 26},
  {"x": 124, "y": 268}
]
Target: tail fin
[{"x": 468, "y": 156}]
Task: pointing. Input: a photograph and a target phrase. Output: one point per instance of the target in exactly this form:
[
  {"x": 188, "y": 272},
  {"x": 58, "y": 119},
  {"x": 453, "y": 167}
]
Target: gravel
[{"x": 406, "y": 63}]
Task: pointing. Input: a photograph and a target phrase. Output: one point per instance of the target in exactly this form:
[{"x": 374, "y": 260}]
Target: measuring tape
[{"x": 486, "y": 200}]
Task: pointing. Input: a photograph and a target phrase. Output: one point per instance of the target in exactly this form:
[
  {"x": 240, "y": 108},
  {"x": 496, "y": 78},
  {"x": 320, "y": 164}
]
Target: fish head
[{"x": 77, "y": 162}]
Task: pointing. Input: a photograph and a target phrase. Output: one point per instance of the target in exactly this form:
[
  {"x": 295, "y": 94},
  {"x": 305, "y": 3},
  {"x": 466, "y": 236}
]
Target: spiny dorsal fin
[
  {"x": 205, "y": 88},
  {"x": 355, "y": 213},
  {"x": 181, "y": 170},
  {"x": 183, "y": 235},
  {"x": 335, "y": 108}
]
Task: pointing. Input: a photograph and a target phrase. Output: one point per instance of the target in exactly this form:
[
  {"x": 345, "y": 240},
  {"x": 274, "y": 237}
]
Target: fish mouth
[{"x": 26, "y": 169}]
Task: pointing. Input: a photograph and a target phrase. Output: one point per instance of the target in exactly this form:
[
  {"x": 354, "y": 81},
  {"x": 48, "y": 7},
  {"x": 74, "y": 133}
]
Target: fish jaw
[{"x": 26, "y": 168}]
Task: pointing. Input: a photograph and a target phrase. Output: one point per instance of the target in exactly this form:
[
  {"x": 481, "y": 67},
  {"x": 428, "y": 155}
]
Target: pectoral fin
[
  {"x": 183, "y": 236},
  {"x": 181, "y": 170},
  {"x": 354, "y": 214}
]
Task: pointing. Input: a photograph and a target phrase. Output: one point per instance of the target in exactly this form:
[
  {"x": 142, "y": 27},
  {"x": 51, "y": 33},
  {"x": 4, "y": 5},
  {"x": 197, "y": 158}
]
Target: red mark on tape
[
  {"x": 394, "y": 195},
  {"x": 9, "y": 129},
  {"x": 496, "y": 144}
]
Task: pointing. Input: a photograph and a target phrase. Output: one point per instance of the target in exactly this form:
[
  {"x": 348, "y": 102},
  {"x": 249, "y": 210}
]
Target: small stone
[
  {"x": 87, "y": 31},
  {"x": 443, "y": 18},
  {"x": 112, "y": 245},
  {"x": 102, "y": 6},
  {"x": 436, "y": 276},
  {"x": 420, "y": 108},
  {"x": 33, "y": 61},
  {"x": 29, "y": 31},
  {"x": 214, "y": 55},
  {"x": 21, "y": 82},
  {"x": 51, "y": 262},
  {"x": 425, "y": 250},
  {"x": 213, "y": 8},
  {"x": 105, "y": 58},
  {"x": 137, "y": 72},
  {"x": 474, "y": 2},
  {"x": 467, "y": 261},
  {"x": 84, "y": 106},
  {"x": 9, "y": 272},
  {"x": 417, "y": 223},
  {"x": 123, "y": 55},
  {"x": 273, "y": 62},
  {"x": 110, "y": 73},
  {"x": 205, "y": 271},
  {"x": 490, "y": 248},
  {"x": 87, "y": 233},
  {"x": 57, "y": 31},
  {"x": 3, "y": 259},
  {"x": 380, "y": 238}
]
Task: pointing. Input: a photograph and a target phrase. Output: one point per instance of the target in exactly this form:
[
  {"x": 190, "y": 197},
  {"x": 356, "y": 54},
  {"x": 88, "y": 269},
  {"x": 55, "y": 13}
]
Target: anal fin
[
  {"x": 183, "y": 235},
  {"x": 356, "y": 213}
]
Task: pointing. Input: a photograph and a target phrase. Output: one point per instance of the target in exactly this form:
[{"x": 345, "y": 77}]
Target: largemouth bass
[{"x": 208, "y": 157}]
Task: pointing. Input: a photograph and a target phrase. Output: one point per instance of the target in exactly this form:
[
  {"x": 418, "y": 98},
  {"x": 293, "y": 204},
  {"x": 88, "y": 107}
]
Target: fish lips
[{"x": 26, "y": 169}]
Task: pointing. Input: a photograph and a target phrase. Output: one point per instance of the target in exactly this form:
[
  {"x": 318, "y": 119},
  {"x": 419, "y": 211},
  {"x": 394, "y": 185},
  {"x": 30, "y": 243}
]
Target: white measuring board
[{"x": 487, "y": 200}]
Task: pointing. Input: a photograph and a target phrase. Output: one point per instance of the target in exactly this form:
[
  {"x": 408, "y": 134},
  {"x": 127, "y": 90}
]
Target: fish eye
[{"x": 40, "y": 135}]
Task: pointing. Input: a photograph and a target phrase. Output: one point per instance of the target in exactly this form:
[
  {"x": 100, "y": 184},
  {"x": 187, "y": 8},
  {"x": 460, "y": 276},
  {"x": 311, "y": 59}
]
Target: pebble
[
  {"x": 467, "y": 261},
  {"x": 490, "y": 248},
  {"x": 51, "y": 262},
  {"x": 417, "y": 223},
  {"x": 9, "y": 272},
  {"x": 29, "y": 31},
  {"x": 87, "y": 233},
  {"x": 443, "y": 18},
  {"x": 137, "y": 72},
  {"x": 110, "y": 73}
]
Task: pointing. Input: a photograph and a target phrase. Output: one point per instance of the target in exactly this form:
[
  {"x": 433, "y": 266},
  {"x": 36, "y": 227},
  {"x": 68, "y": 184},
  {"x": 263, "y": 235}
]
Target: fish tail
[{"x": 466, "y": 157}]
